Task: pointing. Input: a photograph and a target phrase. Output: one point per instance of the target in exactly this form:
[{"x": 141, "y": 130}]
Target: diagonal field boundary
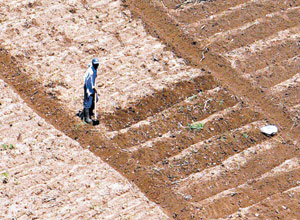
[
  {"x": 49, "y": 108},
  {"x": 160, "y": 24}
]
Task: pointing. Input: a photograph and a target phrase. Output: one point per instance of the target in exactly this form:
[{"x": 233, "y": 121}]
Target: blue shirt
[{"x": 89, "y": 79}]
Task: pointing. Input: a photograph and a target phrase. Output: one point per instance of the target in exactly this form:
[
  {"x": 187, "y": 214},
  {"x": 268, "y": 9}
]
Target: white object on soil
[{"x": 269, "y": 130}]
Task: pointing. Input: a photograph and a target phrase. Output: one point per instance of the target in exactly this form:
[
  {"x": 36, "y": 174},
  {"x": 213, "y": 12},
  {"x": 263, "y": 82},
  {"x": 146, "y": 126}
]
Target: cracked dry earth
[{"x": 184, "y": 88}]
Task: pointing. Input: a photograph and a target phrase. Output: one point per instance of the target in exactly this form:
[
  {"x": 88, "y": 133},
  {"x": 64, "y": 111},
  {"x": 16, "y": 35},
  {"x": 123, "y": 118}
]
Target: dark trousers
[{"x": 88, "y": 100}]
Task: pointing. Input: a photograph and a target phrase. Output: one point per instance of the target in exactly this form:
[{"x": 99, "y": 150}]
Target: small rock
[
  {"x": 188, "y": 197},
  {"x": 284, "y": 207},
  {"x": 269, "y": 130},
  {"x": 48, "y": 199},
  {"x": 155, "y": 59},
  {"x": 233, "y": 194},
  {"x": 5, "y": 180}
]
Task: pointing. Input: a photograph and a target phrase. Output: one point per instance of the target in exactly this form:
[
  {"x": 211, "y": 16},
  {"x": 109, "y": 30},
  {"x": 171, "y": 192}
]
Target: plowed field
[{"x": 183, "y": 103}]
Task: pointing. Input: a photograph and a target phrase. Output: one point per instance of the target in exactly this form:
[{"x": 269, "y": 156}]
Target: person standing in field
[{"x": 90, "y": 92}]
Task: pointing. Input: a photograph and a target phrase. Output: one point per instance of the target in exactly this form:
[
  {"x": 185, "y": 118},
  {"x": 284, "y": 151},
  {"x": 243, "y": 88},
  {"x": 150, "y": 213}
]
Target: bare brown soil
[
  {"x": 46, "y": 175},
  {"x": 210, "y": 42},
  {"x": 225, "y": 168}
]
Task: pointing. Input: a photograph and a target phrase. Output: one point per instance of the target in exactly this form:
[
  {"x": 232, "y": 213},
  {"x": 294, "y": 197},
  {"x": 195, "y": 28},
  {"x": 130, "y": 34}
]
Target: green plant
[
  {"x": 192, "y": 97},
  {"x": 16, "y": 181},
  {"x": 4, "y": 178},
  {"x": 221, "y": 103},
  {"x": 6, "y": 146},
  {"x": 80, "y": 123},
  {"x": 245, "y": 135},
  {"x": 196, "y": 126},
  {"x": 223, "y": 138}
]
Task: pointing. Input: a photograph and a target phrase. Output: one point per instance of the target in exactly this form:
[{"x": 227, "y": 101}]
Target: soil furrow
[
  {"x": 278, "y": 180},
  {"x": 194, "y": 108},
  {"x": 237, "y": 169},
  {"x": 295, "y": 113},
  {"x": 198, "y": 146},
  {"x": 156, "y": 189},
  {"x": 172, "y": 4},
  {"x": 275, "y": 73},
  {"x": 255, "y": 30},
  {"x": 144, "y": 120},
  {"x": 268, "y": 16},
  {"x": 286, "y": 94},
  {"x": 277, "y": 206},
  {"x": 168, "y": 147},
  {"x": 288, "y": 98},
  {"x": 206, "y": 9},
  {"x": 157, "y": 102},
  {"x": 210, "y": 153},
  {"x": 287, "y": 84},
  {"x": 260, "y": 54},
  {"x": 51, "y": 160},
  {"x": 185, "y": 46}
]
